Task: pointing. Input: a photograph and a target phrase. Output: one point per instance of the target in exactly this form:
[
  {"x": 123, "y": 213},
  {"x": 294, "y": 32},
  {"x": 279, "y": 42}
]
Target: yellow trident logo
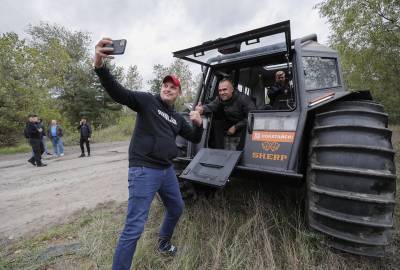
[{"x": 270, "y": 146}]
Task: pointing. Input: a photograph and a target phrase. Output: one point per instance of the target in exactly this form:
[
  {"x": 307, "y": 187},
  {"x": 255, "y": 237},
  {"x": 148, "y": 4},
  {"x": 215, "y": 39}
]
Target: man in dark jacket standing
[
  {"x": 86, "y": 132},
  {"x": 230, "y": 109},
  {"x": 151, "y": 151},
  {"x": 34, "y": 132}
]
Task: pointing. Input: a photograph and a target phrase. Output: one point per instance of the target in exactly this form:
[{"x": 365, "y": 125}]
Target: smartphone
[{"x": 118, "y": 45}]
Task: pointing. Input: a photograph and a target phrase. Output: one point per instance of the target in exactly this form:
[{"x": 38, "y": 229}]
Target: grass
[
  {"x": 262, "y": 228},
  {"x": 120, "y": 132},
  {"x": 20, "y": 148}
]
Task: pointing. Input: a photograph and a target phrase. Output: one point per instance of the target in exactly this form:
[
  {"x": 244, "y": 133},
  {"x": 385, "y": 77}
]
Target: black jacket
[
  {"x": 277, "y": 92},
  {"x": 157, "y": 125},
  {"x": 85, "y": 130},
  {"x": 235, "y": 110},
  {"x": 32, "y": 130}
]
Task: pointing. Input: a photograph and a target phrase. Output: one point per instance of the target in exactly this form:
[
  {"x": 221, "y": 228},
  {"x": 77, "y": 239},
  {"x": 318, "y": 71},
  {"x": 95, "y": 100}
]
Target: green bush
[{"x": 122, "y": 131}]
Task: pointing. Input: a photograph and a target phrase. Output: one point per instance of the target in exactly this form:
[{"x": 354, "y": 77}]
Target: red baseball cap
[{"x": 172, "y": 78}]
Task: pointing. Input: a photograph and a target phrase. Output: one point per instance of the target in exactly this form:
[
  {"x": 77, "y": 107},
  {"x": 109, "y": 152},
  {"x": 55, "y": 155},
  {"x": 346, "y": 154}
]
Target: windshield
[{"x": 320, "y": 72}]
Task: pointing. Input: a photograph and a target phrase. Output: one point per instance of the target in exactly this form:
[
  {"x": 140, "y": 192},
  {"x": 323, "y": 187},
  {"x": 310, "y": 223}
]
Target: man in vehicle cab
[
  {"x": 230, "y": 109},
  {"x": 279, "y": 92}
]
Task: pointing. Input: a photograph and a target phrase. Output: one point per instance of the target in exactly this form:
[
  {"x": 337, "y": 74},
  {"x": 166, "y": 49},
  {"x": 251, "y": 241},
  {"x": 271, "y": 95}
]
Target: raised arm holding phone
[{"x": 151, "y": 151}]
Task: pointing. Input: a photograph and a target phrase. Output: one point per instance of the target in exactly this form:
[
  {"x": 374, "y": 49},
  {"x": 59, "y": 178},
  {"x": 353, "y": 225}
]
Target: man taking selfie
[{"x": 151, "y": 151}]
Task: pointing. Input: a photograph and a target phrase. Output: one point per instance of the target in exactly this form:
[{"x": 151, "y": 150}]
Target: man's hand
[
  {"x": 231, "y": 130},
  {"x": 101, "y": 52},
  {"x": 199, "y": 108},
  {"x": 196, "y": 118},
  {"x": 40, "y": 129}
]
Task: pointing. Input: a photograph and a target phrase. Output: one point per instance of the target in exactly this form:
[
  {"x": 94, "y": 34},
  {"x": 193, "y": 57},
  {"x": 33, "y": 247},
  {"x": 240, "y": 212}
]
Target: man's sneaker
[
  {"x": 41, "y": 165},
  {"x": 49, "y": 154},
  {"x": 82, "y": 155},
  {"x": 88, "y": 154},
  {"x": 32, "y": 161},
  {"x": 62, "y": 154},
  {"x": 166, "y": 248}
]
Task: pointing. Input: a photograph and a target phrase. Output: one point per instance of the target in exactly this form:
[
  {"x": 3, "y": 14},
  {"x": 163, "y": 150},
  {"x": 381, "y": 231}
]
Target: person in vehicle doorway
[
  {"x": 86, "y": 132},
  {"x": 279, "y": 91},
  {"x": 151, "y": 151},
  {"x": 230, "y": 109}
]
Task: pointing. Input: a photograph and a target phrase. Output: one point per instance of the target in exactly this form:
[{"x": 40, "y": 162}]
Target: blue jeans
[
  {"x": 57, "y": 145},
  {"x": 44, "y": 144},
  {"x": 143, "y": 184}
]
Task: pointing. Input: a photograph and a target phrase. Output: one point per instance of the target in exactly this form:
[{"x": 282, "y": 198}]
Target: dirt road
[{"x": 33, "y": 198}]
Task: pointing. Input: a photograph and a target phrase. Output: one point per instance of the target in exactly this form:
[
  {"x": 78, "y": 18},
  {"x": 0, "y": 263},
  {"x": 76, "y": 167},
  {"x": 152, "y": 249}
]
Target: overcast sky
[{"x": 154, "y": 29}]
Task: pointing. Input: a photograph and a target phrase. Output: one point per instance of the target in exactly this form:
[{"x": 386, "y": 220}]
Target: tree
[
  {"x": 51, "y": 74},
  {"x": 182, "y": 71},
  {"x": 20, "y": 91},
  {"x": 367, "y": 35},
  {"x": 67, "y": 72},
  {"x": 133, "y": 80},
  {"x": 159, "y": 72}
]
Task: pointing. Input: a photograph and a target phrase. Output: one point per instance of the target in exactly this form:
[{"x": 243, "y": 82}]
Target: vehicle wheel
[{"x": 351, "y": 177}]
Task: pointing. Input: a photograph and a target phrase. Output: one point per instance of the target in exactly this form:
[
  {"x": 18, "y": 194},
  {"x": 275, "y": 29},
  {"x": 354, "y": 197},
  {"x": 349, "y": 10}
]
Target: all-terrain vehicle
[{"x": 334, "y": 140}]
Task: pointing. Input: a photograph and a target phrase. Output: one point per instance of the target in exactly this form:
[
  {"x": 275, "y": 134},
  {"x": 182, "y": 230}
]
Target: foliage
[
  {"x": 51, "y": 74},
  {"x": 182, "y": 71},
  {"x": 20, "y": 91},
  {"x": 120, "y": 132},
  {"x": 70, "y": 77},
  {"x": 133, "y": 80},
  {"x": 367, "y": 36}
]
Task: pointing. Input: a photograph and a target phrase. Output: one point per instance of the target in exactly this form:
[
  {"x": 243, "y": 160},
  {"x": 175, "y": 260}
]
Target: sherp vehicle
[{"x": 335, "y": 141}]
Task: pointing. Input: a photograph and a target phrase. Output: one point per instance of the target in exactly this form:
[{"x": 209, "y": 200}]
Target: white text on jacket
[{"x": 167, "y": 117}]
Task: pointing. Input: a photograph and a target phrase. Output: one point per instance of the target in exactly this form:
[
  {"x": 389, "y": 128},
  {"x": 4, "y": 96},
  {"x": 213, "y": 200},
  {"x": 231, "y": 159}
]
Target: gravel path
[{"x": 32, "y": 198}]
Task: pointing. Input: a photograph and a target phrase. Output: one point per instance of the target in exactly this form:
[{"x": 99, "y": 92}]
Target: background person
[
  {"x": 55, "y": 132},
  {"x": 85, "y": 132},
  {"x": 151, "y": 151},
  {"x": 34, "y": 133},
  {"x": 44, "y": 141}
]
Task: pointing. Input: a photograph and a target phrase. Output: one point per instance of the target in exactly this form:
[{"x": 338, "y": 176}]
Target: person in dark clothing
[
  {"x": 34, "y": 133},
  {"x": 151, "y": 151},
  {"x": 230, "y": 109},
  {"x": 279, "y": 92},
  {"x": 86, "y": 132}
]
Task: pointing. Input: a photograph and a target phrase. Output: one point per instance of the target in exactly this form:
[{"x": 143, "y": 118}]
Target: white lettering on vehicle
[{"x": 167, "y": 117}]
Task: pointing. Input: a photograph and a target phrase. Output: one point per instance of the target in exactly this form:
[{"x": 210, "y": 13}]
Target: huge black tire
[{"x": 351, "y": 178}]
